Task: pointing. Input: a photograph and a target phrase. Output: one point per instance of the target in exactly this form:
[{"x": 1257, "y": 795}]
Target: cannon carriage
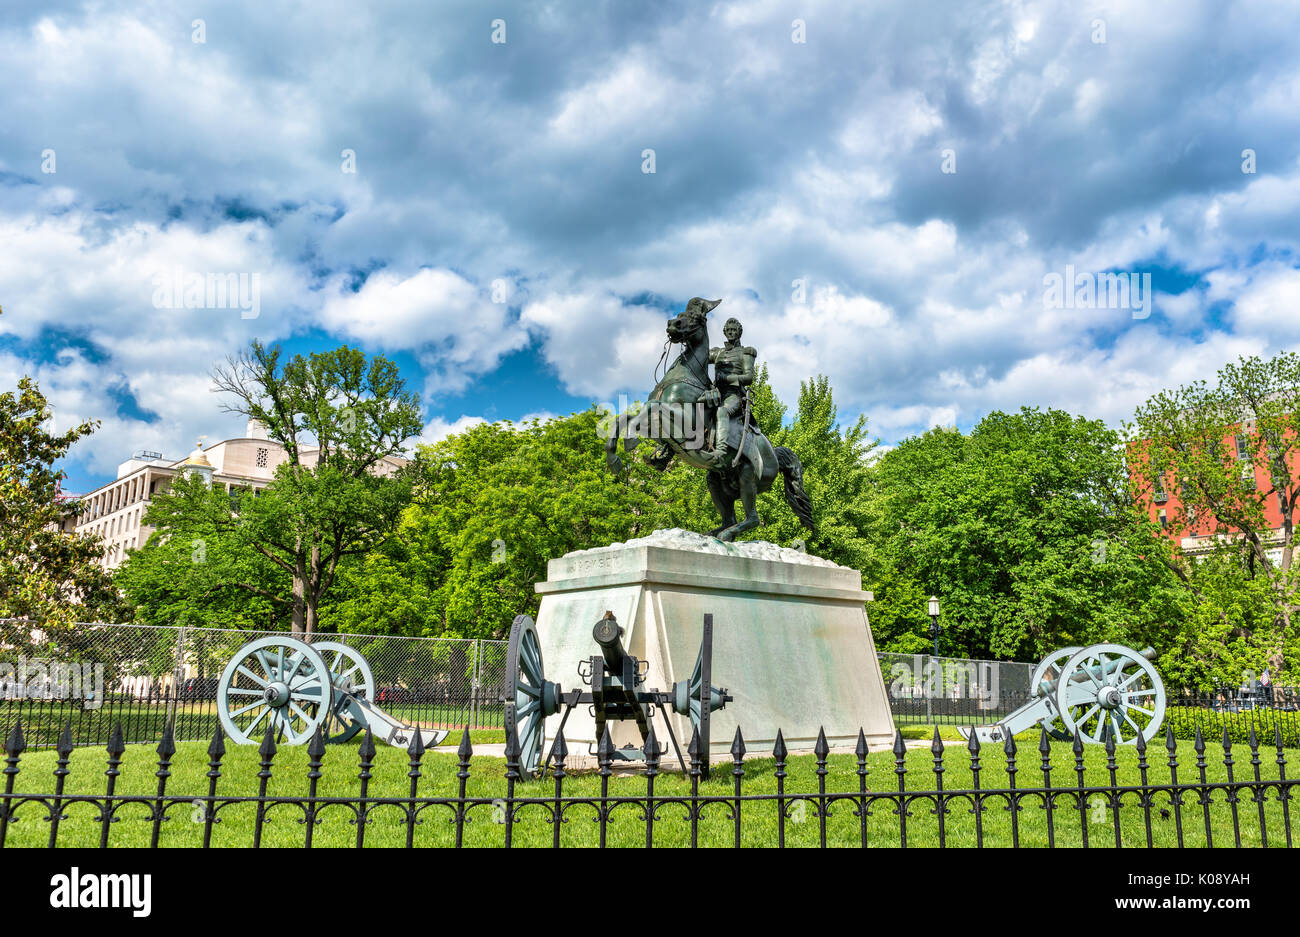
[
  {"x": 1088, "y": 692},
  {"x": 297, "y": 689},
  {"x": 617, "y": 692}
]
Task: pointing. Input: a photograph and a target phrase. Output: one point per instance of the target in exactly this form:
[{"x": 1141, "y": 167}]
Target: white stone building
[{"x": 115, "y": 511}]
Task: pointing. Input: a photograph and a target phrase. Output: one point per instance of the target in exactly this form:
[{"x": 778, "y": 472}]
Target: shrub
[{"x": 1185, "y": 719}]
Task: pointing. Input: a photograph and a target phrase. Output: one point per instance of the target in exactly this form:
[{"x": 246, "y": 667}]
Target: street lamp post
[
  {"x": 934, "y": 675},
  {"x": 934, "y": 622}
]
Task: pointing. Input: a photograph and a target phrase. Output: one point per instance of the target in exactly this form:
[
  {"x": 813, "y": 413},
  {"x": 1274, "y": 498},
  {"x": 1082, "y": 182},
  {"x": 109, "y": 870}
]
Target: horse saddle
[{"x": 734, "y": 428}]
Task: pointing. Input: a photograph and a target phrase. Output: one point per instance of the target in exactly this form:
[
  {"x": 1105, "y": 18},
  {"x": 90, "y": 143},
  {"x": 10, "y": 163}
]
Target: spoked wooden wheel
[
  {"x": 530, "y": 697},
  {"x": 1110, "y": 686},
  {"x": 1049, "y": 668},
  {"x": 349, "y": 675},
  {"x": 277, "y": 682},
  {"x": 1049, "y": 671}
]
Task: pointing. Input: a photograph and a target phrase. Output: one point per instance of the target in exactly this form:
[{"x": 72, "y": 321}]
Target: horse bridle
[{"x": 702, "y": 383}]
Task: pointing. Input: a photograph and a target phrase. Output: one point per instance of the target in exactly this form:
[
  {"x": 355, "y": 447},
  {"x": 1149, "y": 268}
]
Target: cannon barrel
[
  {"x": 1049, "y": 686},
  {"x": 1148, "y": 652},
  {"x": 608, "y": 633}
]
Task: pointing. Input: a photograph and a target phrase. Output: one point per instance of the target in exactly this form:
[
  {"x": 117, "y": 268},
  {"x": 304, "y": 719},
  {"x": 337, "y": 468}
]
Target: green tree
[
  {"x": 1228, "y": 627},
  {"x": 47, "y": 574},
  {"x": 1022, "y": 528},
  {"x": 499, "y": 501},
  {"x": 341, "y": 420},
  {"x": 1222, "y": 460},
  {"x": 193, "y": 574},
  {"x": 390, "y": 590},
  {"x": 837, "y": 474}
]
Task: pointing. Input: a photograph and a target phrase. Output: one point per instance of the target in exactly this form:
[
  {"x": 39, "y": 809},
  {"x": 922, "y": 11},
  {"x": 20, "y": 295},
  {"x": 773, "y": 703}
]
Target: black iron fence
[
  {"x": 1212, "y": 714},
  {"x": 955, "y": 711},
  {"x": 142, "y": 718},
  {"x": 143, "y": 677},
  {"x": 1062, "y": 794}
]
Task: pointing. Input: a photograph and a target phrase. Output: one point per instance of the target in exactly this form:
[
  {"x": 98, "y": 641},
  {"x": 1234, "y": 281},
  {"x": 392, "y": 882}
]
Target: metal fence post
[
  {"x": 178, "y": 675},
  {"x": 929, "y": 691},
  {"x": 474, "y": 682}
]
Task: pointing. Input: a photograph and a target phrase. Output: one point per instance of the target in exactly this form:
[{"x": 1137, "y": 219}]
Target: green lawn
[{"x": 759, "y": 818}]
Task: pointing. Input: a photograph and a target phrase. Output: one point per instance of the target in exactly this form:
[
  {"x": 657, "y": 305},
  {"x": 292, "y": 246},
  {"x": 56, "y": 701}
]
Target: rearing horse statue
[{"x": 682, "y": 413}]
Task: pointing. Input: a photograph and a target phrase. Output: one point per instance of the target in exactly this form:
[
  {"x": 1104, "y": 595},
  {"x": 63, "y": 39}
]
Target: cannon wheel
[
  {"x": 1049, "y": 668},
  {"x": 273, "y": 681},
  {"x": 1052, "y": 662},
  {"x": 1130, "y": 698},
  {"x": 349, "y": 672},
  {"x": 687, "y": 698},
  {"x": 530, "y": 697}
]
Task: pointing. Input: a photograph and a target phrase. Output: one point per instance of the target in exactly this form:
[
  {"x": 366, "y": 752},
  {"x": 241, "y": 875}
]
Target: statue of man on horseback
[
  {"x": 733, "y": 372},
  {"x": 741, "y": 462}
]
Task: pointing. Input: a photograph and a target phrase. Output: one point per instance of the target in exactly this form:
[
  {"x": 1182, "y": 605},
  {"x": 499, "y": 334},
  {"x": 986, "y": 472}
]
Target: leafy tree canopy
[
  {"x": 1021, "y": 528},
  {"x": 335, "y": 498},
  {"x": 47, "y": 574},
  {"x": 1222, "y": 459}
]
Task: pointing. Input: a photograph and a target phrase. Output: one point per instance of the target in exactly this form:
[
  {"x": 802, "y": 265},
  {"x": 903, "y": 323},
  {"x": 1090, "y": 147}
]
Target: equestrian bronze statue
[{"x": 707, "y": 423}]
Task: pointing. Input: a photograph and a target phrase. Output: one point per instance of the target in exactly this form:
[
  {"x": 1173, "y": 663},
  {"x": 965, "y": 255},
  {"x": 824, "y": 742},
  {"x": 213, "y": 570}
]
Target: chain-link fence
[
  {"x": 94, "y": 677},
  {"x": 931, "y": 690}
]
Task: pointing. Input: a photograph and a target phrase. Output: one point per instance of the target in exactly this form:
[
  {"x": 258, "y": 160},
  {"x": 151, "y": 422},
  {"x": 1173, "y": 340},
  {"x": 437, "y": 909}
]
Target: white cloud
[
  {"x": 595, "y": 343},
  {"x": 627, "y": 96},
  {"x": 457, "y": 329},
  {"x": 439, "y": 428},
  {"x": 98, "y": 288},
  {"x": 1270, "y": 304},
  {"x": 777, "y": 161}
]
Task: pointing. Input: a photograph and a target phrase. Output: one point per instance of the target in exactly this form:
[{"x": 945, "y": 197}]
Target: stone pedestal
[{"x": 791, "y": 641}]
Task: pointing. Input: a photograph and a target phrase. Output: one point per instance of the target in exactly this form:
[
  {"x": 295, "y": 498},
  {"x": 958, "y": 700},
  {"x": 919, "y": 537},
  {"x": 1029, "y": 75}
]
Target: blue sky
[{"x": 879, "y": 202}]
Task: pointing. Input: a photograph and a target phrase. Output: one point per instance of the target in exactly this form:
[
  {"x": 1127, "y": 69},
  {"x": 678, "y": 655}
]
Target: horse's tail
[{"x": 795, "y": 496}]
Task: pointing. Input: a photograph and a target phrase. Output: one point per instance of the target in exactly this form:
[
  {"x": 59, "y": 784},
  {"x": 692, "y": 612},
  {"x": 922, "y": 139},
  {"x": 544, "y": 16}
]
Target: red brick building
[{"x": 1197, "y": 534}]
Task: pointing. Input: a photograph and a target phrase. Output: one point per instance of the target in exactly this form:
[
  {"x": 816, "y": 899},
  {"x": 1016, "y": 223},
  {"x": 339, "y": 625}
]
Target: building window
[
  {"x": 262, "y": 455},
  {"x": 1163, "y": 518},
  {"x": 1243, "y": 448},
  {"x": 1248, "y": 476},
  {"x": 1161, "y": 495}
]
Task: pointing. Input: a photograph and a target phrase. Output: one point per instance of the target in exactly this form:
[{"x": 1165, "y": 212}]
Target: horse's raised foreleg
[
  {"x": 621, "y": 427},
  {"x": 612, "y": 460}
]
